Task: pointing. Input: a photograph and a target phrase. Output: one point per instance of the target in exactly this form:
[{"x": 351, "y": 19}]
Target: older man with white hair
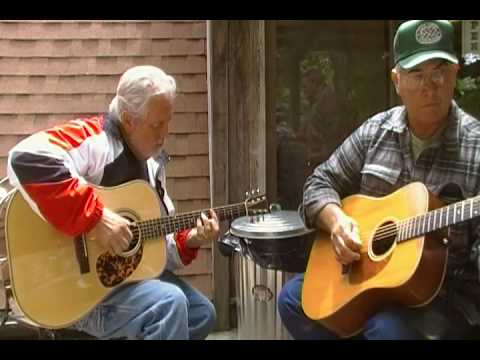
[{"x": 54, "y": 170}]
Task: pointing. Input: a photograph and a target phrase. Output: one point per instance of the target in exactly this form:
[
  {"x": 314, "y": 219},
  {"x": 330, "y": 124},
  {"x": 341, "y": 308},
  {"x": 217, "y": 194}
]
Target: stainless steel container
[
  {"x": 257, "y": 291},
  {"x": 268, "y": 252}
]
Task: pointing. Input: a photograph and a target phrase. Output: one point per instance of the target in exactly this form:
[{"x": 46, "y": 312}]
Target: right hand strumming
[
  {"x": 344, "y": 233},
  {"x": 112, "y": 232}
]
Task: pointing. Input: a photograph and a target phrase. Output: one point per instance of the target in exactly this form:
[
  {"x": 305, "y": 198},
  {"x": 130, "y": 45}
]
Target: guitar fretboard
[
  {"x": 162, "y": 226},
  {"x": 438, "y": 219}
]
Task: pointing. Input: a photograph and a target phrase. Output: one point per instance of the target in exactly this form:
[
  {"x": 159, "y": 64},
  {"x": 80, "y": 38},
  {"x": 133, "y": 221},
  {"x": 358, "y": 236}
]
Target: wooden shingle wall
[{"x": 52, "y": 71}]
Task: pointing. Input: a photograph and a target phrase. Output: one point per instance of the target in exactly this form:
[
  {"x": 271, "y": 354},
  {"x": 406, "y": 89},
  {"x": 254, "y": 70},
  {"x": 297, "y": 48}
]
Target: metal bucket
[
  {"x": 257, "y": 292},
  {"x": 267, "y": 253}
]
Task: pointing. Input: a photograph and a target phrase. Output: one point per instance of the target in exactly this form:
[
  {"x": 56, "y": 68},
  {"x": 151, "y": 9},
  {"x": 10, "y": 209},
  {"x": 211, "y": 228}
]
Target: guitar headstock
[{"x": 256, "y": 203}]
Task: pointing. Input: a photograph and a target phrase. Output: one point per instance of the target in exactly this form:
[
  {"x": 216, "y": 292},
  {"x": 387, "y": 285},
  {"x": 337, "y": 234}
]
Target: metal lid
[{"x": 276, "y": 225}]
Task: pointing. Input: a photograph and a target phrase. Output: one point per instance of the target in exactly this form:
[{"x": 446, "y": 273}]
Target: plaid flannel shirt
[{"x": 377, "y": 160}]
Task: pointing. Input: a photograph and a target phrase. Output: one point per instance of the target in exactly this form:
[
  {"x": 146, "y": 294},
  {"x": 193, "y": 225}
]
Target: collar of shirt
[{"x": 396, "y": 120}]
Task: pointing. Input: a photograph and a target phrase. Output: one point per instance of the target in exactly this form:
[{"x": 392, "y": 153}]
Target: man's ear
[
  {"x": 127, "y": 121},
  {"x": 456, "y": 69},
  {"x": 395, "y": 80}
]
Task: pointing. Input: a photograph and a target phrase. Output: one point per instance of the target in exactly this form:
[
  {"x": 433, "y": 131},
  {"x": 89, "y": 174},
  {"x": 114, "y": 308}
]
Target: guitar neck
[
  {"x": 439, "y": 218},
  {"x": 170, "y": 224}
]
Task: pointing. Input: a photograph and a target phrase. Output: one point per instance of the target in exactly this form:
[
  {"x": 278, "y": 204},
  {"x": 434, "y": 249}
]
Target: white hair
[{"x": 135, "y": 88}]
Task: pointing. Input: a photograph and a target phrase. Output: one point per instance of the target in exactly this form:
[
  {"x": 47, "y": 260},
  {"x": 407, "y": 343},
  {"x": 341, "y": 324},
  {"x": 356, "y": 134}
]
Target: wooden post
[
  {"x": 247, "y": 115},
  {"x": 270, "y": 102},
  {"x": 237, "y": 126},
  {"x": 218, "y": 114}
]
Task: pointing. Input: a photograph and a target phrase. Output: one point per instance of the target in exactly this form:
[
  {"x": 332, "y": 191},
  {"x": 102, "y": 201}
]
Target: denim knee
[
  {"x": 389, "y": 325},
  {"x": 210, "y": 316},
  {"x": 170, "y": 319},
  {"x": 177, "y": 298},
  {"x": 205, "y": 324},
  {"x": 288, "y": 301},
  {"x": 282, "y": 303}
]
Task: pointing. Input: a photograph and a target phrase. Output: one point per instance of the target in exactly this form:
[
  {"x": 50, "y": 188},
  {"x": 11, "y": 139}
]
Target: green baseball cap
[{"x": 417, "y": 41}]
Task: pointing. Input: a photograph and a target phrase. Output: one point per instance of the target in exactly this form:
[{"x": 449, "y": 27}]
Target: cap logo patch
[{"x": 428, "y": 33}]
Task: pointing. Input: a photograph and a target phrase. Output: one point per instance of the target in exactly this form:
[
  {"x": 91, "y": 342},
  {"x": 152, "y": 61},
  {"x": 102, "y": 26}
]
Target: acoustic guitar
[
  {"x": 403, "y": 258},
  {"x": 56, "y": 279}
]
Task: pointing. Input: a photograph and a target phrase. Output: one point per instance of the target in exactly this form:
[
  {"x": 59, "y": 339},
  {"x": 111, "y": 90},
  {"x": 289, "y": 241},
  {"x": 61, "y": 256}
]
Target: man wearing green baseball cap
[
  {"x": 417, "y": 41},
  {"x": 430, "y": 140},
  {"x": 424, "y": 77}
]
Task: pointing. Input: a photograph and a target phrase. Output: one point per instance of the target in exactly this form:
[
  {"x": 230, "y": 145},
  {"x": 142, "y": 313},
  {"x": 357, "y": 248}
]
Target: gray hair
[{"x": 135, "y": 88}]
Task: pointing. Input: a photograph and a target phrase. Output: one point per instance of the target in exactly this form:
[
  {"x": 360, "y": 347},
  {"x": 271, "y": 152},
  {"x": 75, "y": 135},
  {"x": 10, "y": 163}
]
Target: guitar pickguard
[{"x": 113, "y": 269}]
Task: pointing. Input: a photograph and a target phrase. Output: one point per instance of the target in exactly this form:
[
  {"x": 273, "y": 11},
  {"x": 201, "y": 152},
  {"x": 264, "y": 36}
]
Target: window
[{"x": 330, "y": 77}]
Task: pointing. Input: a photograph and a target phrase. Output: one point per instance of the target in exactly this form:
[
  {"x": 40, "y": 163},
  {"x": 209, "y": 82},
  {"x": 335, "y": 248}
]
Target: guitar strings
[
  {"x": 189, "y": 216},
  {"x": 408, "y": 225},
  {"x": 150, "y": 227},
  {"x": 168, "y": 225},
  {"x": 392, "y": 229}
]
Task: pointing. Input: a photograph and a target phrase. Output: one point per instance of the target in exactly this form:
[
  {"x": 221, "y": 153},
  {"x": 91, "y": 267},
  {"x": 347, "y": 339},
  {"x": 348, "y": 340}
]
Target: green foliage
[
  {"x": 319, "y": 62},
  {"x": 467, "y": 93}
]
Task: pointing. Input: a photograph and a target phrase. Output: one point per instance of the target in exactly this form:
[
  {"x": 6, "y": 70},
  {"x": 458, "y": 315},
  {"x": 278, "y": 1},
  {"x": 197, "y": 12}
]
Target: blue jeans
[
  {"x": 388, "y": 324},
  {"x": 158, "y": 309}
]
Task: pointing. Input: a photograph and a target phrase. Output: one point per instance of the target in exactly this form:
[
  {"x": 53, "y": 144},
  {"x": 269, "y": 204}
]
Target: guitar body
[
  {"x": 406, "y": 273},
  {"x": 44, "y": 271}
]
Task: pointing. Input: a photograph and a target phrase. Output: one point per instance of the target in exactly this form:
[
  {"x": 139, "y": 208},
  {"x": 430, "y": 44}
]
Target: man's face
[
  {"x": 146, "y": 136},
  {"x": 427, "y": 89}
]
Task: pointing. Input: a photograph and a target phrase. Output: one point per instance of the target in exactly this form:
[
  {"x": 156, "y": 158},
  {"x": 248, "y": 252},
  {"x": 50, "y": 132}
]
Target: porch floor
[{"x": 223, "y": 335}]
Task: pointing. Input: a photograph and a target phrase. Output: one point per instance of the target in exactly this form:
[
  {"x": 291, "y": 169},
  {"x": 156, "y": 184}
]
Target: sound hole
[{"x": 384, "y": 238}]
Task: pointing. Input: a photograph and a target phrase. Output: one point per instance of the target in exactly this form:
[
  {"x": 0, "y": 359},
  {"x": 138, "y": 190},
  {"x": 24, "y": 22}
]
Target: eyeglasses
[{"x": 417, "y": 79}]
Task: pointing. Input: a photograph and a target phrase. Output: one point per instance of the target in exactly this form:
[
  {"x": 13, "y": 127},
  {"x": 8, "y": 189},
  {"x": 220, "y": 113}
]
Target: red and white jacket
[{"x": 53, "y": 169}]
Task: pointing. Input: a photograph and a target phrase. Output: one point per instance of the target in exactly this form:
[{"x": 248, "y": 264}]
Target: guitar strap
[{"x": 161, "y": 192}]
